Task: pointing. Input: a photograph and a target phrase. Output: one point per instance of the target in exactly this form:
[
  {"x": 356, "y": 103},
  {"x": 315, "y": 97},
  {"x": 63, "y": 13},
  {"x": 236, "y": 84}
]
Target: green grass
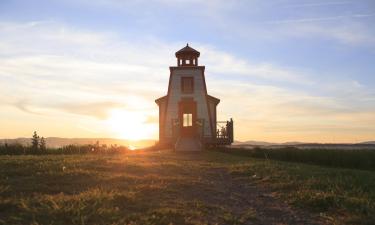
[
  {"x": 340, "y": 195},
  {"x": 165, "y": 187},
  {"x": 353, "y": 159}
]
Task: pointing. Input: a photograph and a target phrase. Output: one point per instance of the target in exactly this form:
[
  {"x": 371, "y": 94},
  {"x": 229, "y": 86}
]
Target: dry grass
[{"x": 170, "y": 188}]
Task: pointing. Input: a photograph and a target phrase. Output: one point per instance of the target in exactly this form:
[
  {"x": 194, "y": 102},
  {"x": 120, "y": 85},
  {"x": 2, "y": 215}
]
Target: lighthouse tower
[{"x": 187, "y": 114}]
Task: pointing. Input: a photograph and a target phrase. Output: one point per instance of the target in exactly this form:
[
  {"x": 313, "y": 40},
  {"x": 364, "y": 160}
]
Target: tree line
[{"x": 38, "y": 146}]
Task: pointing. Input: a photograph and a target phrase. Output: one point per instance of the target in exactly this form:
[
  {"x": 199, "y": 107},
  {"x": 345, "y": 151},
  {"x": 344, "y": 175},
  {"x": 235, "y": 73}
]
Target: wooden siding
[{"x": 175, "y": 95}]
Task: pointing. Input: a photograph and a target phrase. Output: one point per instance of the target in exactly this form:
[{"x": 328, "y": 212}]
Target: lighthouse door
[{"x": 187, "y": 117}]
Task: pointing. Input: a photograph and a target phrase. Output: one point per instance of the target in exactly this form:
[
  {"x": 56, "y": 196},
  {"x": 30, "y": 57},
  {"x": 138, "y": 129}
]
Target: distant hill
[
  {"x": 55, "y": 142},
  {"x": 263, "y": 143},
  {"x": 295, "y": 143}
]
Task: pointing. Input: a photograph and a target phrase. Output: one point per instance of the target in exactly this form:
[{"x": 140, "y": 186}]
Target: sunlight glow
[{"x": 130, "y": 125}]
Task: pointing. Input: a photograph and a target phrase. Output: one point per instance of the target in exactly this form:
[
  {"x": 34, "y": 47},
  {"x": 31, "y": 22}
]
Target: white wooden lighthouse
[{"x": 187, "y": 114}]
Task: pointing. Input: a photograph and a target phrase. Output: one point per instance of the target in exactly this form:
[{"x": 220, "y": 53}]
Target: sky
[{"x": 285, "y": 70}]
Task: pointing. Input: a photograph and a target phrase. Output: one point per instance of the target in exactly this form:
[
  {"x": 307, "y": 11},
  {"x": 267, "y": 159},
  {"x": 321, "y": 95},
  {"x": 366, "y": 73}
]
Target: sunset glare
[{"x": 130, "y": 125}]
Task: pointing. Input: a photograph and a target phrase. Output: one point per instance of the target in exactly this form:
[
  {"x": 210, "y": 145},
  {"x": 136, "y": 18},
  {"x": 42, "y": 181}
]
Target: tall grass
[
  {"x": 342, "y": 196},
  {"x": 152, "y": 187},
  {"x": 18, "y": 149},
  {"x": 354, "y": 159}
]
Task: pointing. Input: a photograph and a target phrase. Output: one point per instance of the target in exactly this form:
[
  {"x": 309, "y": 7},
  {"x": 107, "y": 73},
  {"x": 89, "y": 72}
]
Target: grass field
[
  {"x": 351, "y": 159},
  {"x": 180, "y": 188}
]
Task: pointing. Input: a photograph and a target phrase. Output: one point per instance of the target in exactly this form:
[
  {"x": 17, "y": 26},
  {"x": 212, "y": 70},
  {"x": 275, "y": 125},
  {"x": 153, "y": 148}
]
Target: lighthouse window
[
  {"x": 187, "y": 84},
  {"x": 188, "y": 120}
]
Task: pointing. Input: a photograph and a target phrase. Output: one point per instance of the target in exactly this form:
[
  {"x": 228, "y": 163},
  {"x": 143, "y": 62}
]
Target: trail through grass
[{"x": 167, "y": 187}]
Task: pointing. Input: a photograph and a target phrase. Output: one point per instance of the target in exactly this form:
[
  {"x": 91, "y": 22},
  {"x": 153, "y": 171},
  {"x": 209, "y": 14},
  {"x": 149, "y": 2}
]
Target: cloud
[
  {"x": 319, "y": 19},
  {"x": 111, "y": 64},
  {"x": 276, "y": 113},
  {"x": 351, "y": 30},
  {"x": 350, "y": 33},
  {"x": 249, "y": 20},
  {"x": 208, "y": 4},
  {"x": 319, "y": 4},
  {"x": 25, "y": 107},
  {"x": 223, "y": 63},
  {"x": 50, "y": 73},
  {"x": 99, "y": 110}
]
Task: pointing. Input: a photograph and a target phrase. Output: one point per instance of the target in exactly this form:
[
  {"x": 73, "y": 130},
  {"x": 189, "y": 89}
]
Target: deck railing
[
  {"x": 224, "y": 132},
  {"x": 223, "y": 136}
]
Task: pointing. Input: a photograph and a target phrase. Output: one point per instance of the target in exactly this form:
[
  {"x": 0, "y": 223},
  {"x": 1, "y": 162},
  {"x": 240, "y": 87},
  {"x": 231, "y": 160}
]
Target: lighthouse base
[{"x": 188, "y": 144}]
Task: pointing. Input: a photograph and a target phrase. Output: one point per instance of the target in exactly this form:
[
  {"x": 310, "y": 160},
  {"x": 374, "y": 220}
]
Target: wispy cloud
[
  {"x": 318, "y": 4},
  {"x": 349, "y": 33},
  {"x": 267, "y": 112},
  {"x": 222, "y": 63},
  {"x": 319, "y": 19},
  {"x": 99, "y": 110},
  {"x": 23, "y": 105},
  {"x": 50, "y": 73}
]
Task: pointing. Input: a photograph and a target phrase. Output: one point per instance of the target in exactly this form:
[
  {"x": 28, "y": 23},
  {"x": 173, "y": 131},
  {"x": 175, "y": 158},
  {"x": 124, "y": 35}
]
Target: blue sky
[{"x": 286, "y": 70}]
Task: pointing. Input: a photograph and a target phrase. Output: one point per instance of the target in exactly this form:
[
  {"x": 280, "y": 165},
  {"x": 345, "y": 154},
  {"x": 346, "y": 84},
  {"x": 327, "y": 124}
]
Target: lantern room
[{"x": 187, "y": 56}]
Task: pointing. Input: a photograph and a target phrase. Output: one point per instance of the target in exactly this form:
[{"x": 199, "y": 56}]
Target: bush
[
  {"x": 13, "y": 149},
  {"x": 18, "y": 149}
]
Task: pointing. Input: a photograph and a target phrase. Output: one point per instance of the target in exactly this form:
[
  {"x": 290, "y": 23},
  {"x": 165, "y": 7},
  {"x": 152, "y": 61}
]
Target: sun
[{"x": 130, "y": 125}]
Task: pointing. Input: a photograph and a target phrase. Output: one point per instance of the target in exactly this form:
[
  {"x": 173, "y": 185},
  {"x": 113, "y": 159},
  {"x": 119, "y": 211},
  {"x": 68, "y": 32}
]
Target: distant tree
[
  {"x": 42, "y": 145},
  {"x": 97, "y": 146},
  {"x": 35, "y": 142}
]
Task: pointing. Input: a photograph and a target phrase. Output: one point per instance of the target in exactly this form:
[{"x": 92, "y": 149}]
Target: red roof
[{"x": 187, "y": 50}]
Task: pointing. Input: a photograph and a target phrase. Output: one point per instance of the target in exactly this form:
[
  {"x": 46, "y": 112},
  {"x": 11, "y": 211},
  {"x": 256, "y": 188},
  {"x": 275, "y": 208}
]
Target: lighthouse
[{"x": 187, "y": 114}]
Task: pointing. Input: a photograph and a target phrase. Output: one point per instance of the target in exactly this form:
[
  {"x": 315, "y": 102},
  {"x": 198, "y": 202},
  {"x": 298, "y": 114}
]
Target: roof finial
[{"x": 187, "y": 44}]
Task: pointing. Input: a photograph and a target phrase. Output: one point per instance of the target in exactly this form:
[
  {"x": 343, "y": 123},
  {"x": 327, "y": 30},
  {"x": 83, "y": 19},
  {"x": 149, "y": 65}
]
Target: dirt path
[
  {"x": 243, "y": 200},
  {"x": 245, "y": 195}
]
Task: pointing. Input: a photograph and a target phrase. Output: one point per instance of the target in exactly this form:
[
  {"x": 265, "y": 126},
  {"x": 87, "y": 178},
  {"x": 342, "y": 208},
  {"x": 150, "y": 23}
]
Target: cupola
[{"x": 187, "y": 56}]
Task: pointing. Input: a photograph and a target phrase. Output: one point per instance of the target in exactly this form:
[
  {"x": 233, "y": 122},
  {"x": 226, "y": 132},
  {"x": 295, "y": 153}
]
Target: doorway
[{"x": 187, "y": 117}]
